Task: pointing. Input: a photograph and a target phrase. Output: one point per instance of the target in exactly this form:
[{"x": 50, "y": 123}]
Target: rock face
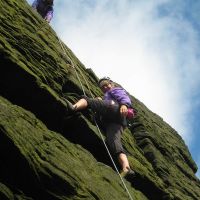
[{"x": 47, "y": 154}]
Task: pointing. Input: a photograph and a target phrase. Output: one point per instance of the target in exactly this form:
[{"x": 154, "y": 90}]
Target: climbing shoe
[
  {"x": 129, "y": 173},
  {"x": 70, "y": 108}
]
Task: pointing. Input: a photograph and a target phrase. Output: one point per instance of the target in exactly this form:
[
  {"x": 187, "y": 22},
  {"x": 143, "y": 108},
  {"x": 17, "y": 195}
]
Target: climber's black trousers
[
  {"x": 112, "y": 120},
  {"x": 113, "y": 138}
]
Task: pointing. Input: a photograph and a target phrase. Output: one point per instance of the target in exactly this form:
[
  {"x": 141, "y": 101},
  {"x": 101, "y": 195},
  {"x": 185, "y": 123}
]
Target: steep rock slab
[
  {"x": 44, "y": 165},
  {"x": 34, "y": 75}
]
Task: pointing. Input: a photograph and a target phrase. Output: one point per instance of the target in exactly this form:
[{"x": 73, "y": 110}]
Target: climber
[
  {"x": 44, "y": 8},
  {"x": 113, "y": 110}
]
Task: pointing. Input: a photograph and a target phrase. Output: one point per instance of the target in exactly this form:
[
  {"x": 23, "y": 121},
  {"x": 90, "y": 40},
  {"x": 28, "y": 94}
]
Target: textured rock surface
[{"x": 47, "y": 154}]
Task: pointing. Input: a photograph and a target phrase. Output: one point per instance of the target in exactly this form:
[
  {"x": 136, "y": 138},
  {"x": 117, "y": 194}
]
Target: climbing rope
[
  {"x": 72, "y": 63},
  {"x": 64, "y": 51},
  {"x": 111, "y": 158}
]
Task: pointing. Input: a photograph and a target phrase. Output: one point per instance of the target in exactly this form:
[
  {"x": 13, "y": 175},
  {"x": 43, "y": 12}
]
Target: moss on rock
[{"x": 47, "y": 154}]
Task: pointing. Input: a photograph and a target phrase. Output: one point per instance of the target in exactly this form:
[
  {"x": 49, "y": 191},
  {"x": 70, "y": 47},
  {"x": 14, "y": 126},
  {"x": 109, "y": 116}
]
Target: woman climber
[
  {"x": 113, "y": 109},
  {"x": 44, "y": 8}
]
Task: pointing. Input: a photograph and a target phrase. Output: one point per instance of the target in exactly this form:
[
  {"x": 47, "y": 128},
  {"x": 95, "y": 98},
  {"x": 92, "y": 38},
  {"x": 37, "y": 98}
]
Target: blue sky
[{"x": 152, "y": 48}]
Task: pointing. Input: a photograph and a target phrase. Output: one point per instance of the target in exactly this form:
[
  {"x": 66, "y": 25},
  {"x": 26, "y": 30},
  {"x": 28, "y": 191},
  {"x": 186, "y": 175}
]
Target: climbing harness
[{"x": 113, "y": 162}]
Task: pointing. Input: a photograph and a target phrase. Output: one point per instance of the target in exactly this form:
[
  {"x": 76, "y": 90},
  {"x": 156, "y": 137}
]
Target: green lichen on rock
[
  {"x": 5, "y": 192},
  {"x": 47, "y": 154},
  {"x": 50, "y": 164}
]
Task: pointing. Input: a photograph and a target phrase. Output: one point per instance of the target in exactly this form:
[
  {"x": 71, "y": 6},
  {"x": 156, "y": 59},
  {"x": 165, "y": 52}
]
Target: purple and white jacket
[
  {"x": 118, "y": 95},
  {"x": 44, "y": 9}
]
